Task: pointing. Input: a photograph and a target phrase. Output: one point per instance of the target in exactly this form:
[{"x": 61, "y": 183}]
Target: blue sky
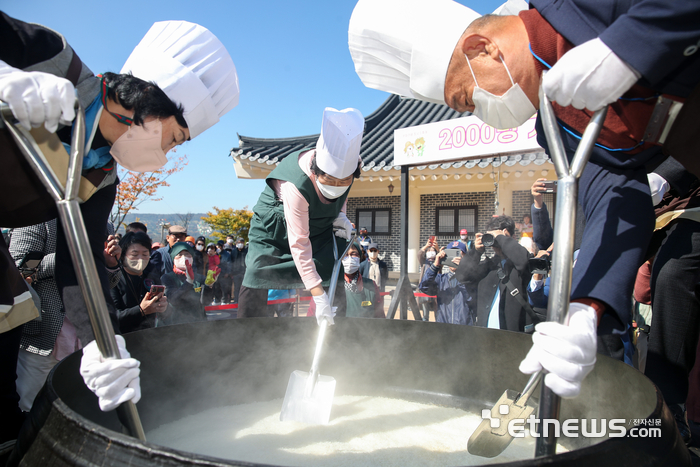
[{"x": 292, "y": 60}]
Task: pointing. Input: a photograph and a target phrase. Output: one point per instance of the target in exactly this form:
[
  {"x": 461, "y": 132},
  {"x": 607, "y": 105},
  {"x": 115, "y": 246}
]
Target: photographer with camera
[
  {"x": 538, "y": 288},
  {"x": 502, "y": 280},
  {"x": 453, "y": 299}
]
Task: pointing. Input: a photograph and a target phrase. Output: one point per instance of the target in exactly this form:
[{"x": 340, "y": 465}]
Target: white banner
[{"x": 461, "y": 138}]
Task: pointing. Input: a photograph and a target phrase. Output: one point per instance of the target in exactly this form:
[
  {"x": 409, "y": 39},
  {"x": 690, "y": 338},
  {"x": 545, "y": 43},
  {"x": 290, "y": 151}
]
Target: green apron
[
  {"x": 269, "y": 263},
  {"x": 361, "y": 304}
]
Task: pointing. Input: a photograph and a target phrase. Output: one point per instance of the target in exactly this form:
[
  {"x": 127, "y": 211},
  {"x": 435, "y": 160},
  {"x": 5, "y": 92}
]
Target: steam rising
[{"x": 190, "y": 369}]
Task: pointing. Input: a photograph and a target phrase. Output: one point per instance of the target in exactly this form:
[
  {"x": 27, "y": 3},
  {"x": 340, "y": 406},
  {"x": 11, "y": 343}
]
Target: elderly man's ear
[{"x": 473, "y": 45}]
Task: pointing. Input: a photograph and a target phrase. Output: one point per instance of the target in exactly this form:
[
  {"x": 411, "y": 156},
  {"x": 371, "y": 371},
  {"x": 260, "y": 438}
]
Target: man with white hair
[{"x": 600, "y": 53}]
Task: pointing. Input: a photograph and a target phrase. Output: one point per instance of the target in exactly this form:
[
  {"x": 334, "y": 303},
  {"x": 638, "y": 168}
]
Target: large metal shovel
[
  {"x": 74, "y": 228},
  {"x": 309, "y": 396},
  {"x": 491, "y": 437}
]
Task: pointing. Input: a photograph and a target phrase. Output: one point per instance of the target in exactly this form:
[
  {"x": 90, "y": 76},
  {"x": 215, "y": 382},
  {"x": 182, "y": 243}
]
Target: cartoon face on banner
[
  {"x": 461, "y": 138},
  {"x": 409, "y": 150},
  {"x": 420, "y": 145}
]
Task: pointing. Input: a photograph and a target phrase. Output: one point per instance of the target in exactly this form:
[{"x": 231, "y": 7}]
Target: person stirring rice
[{"x": 304, "y": 200}]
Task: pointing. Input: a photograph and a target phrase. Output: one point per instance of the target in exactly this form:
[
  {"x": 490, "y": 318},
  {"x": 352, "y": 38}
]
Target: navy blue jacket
[
  {"x": 655, "y": 37},
  {"x": 226, "y": 261},
  {"x": 383, "y": 272},
  {"x": 540, "y": 297},
  {"x": 542, "y": 233},
  {"x": 452, "y": 299},
  {"x": 160, "y": 263},
  {"x": 238, "y": 261}
]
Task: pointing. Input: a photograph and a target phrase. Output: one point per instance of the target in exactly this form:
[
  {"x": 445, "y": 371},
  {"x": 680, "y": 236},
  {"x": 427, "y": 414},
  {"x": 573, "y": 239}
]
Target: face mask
[
  {"x": 239, "y": 246},
  {"x": 351, "y": 264},
  {"x": 211, "y": 252},
  {"x": 364, "y": 243},
  {"x": 229, "y": 241},
  {"x": 463, "y": 237},
  {"x": 136, "y": 265},
  {"x": 430, "y": 255},
  {"x": 373, "y": 254},
  {"x": 218, "y": 250},
  {"x": 510, "y": 110},
  {"x": 331, "y": 192},
  {"x": 200, "y": 247},
  {"x": 181, "y": 263},
  {"x": 139, "y": 149}
]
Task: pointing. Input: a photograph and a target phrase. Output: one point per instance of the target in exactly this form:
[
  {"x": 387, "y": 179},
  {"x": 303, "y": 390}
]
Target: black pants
[
  {"x": 237, "y": 281},
  {"x": 11, "y": 416},
  {"x": 252, "y": 303},
  {"x": 95, "y": 215},
  {"x": 225, "y": 283},
  {"x": 675, "y": 324},
  {"x": 208, "y": 294}
]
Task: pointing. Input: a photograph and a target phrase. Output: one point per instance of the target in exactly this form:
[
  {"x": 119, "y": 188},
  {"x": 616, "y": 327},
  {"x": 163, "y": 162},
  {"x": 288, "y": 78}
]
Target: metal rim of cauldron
[{"x": 612, "y": 451}]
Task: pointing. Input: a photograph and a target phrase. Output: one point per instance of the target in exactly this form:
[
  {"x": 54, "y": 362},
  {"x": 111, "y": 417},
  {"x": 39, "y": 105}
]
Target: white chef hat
[
  {"x": 192, "y": 66},
  {"x": 405, "y": 46},
  {"x": 338, "y": 147},
  {"x": 511, "y": 7}
]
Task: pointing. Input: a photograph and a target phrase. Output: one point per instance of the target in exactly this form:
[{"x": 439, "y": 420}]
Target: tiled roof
[{"x": 377, "y": 149}]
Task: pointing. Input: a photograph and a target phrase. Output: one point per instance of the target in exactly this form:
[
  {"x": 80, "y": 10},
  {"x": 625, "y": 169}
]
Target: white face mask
[
  {"x": 351, "y": 264},
  {"x": 510, "y": 110},
  {"x": 181, "y": 262},
  {"x": 373, "y": 254},
  {"x": 430, "y": 255},
  {"x": 135, "y": 265},
  {"x": 229, "y": 241},
  {"x": 463, "y": 237},
  {"x": 218, "y": 250},
  {"x": 364, "y": 243},
  {"x": 139, "y": 149},
  {"x": 200, "y": 247},
  {"x": 331, "y": 192},
  {"x": 239, "y": 246}
]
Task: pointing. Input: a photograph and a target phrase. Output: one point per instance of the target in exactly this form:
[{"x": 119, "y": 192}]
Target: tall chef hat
[
  {"x": 338, "y": 147},
  {"x": 511, "y": 7},
  {"x": 405, "y": 46},
  {"x": 192, "y": 67}
]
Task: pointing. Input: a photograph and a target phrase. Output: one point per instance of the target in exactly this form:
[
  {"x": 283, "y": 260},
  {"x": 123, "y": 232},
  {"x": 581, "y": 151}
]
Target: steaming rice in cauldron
[
  {"x": 363, "y": 430},
  {"x": 408, "y": 390}
]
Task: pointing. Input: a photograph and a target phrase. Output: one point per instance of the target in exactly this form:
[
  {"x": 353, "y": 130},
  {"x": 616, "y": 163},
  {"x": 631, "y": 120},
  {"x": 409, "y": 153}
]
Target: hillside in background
[{"x": 195, "y": 226}]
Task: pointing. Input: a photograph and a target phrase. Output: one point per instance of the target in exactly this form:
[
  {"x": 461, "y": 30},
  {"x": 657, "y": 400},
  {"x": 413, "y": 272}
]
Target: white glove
[
  {"x": 113, "y": 381},
  {"x": 658, "y": 186},
  {"x": 344, "y": 226},
  {"x": 35, "y": 97},
  {"x": 589, "y": 76},
  {"x": 323, "y": 309},
  {"x": 567, "y": 352}
]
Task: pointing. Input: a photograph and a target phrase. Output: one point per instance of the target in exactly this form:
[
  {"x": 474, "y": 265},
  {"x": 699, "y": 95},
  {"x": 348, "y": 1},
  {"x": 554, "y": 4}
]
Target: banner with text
[{"x": 461, "y": 138}]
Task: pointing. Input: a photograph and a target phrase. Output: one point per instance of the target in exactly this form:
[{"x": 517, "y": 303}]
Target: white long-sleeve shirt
[{"x": 296, "y": 211}]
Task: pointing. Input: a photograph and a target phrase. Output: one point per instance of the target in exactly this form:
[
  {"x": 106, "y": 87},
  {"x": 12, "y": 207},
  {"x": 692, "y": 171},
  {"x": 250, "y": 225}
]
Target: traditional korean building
[{"x": 443, "y": 198}]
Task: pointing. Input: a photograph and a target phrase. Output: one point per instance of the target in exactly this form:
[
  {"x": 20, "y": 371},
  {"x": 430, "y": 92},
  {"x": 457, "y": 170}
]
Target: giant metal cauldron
[{"x": 189, "y": 368}]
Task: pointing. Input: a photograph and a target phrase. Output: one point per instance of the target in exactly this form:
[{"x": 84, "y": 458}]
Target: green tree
[{"x": 223, "y": 222}]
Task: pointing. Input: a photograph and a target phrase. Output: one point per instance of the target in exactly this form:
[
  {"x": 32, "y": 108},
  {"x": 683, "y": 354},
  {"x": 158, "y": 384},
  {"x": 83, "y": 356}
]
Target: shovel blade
[
  {"x": 491, "y": 437},
  {"x": 314, "y": 409}
]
